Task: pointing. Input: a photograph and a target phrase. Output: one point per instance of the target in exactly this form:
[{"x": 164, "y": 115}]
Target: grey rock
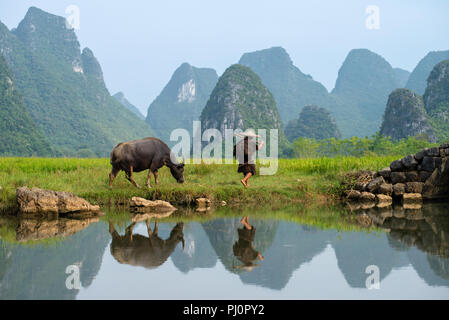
[
  {"x": 398, "y": 177},
  {"x": 367, "y": 197},
  {"x": 409, "y": 162},
  {"x": 424, "y": 175},
  {"x": 412, "y": 198},
  {"x": 384, "y": 200},
  {"x": 35, "y": 200},
  {"x": 353, "y": 195},
  {"x": 430, "y": 163},
  {"x": 420, "y": 155},
  {"x": 433, "y": 152},
  {"x": 437, "y": 185},
  {"x": 386, "y": 189},
  {"x": 412, "y": 176},
  {"x": 414, "y": 187},
  {"x": 398, "y": 189},
  {"x": 375, "y": 184},
  {"x": 396, "y": 166},
  {"x": 385, "y": 173}
]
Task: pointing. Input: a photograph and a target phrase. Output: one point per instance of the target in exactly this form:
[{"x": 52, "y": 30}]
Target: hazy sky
[{"x": 140, "y": 43}]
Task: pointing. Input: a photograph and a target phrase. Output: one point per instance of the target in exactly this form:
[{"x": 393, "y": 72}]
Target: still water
[{"x": 218, "y": 258}]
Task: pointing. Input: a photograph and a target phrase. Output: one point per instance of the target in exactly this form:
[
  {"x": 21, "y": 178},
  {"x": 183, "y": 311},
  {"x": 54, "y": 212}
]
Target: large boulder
[{"x": 37, "y": 201}]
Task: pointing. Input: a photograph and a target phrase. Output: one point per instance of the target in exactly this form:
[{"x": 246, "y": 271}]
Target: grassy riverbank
[{"x": 307, "y": 182}]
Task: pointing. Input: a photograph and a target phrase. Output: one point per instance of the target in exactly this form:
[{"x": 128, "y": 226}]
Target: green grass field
[{"x": 309, "y": 182}]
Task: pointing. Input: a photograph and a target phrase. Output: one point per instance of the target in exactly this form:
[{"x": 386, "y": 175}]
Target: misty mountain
[
  {"x": 63, "y": 88},
  {"x": 182, "y": 100}
]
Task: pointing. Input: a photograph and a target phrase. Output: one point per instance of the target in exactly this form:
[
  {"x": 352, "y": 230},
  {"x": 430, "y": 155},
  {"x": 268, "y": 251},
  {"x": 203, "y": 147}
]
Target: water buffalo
[
  {"x": 138, "y": 155},
  {"x": 148, "y": 252}
]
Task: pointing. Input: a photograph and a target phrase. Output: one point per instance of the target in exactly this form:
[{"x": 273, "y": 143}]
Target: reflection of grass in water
[
  {"x": 334, "y": 217},
  {"x": 298, "y": 181}
]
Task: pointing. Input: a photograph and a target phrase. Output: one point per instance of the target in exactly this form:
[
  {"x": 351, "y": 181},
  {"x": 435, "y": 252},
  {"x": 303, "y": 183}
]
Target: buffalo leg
[
  {"x": 149, "y": 179},
  {"x": 129, "y": 231},
  {"x": 156, "y": 179},
  {"x": 156, "y": 227},
  {"x": 150, "y": 232},
  {"x": 130, "y": 178},
  {"x": 112, "y": 176},
  {"x": 112, "y": 231}
]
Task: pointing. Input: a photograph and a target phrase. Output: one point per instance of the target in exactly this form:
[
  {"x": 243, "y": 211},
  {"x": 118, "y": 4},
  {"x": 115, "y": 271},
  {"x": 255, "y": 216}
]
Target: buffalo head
[{"x": 177, "y": 171}]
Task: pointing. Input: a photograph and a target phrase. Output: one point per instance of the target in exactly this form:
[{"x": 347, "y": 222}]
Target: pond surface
[{"x": 221, "y": 259}]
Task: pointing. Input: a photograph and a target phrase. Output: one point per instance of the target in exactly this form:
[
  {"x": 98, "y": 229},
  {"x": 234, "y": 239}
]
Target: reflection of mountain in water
[
  {"x": 292, "y": 246},
  {"x": 223, "y": 234},
  {"x": 357, "y": 250},
  {"x": 198, "y": 252},
  {"x": 285, "y": 246},
  {"x": 38, "y": 271},
  {"x": 424, "y": 235}
]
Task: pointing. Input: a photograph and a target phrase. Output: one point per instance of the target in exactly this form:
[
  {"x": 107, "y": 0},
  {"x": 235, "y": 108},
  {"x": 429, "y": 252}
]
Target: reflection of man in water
[{"x": 243, "y": 248}]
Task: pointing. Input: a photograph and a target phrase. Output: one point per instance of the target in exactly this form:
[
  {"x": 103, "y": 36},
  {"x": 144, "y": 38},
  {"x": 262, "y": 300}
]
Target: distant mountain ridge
[
  {"x": 182, "y": 100},
  {"x": 313, "y": 122},
  {"x": 417, "y": 81},
  {"x": 120, "y": 97},
  {"x": 63, "y": 88},
  {"x": 436, "y": 99},
  {"x": 357, "y": 102},
  {"x": 241, "y": 101},
  {"x": 405, "y": 116},
  {"x": 291, "y": 88},
  {"x": 19, "y": 134}
]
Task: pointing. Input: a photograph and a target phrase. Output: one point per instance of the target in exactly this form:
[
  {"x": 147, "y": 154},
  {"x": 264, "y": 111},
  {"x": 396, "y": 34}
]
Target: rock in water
[
  {"x": 405, "y": 116},
  {"x": 35, "y": 200},
  {"x": 144, "y": 205}
]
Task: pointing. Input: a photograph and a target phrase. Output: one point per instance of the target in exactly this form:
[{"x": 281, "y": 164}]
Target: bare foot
[{"x": 243, "y": 182}]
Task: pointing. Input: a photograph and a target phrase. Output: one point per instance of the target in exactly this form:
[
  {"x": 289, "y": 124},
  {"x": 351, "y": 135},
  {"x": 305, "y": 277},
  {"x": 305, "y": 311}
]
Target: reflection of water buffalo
[
  {"x": 149, "y": 252},
  {"x": 143, "y": 154}
]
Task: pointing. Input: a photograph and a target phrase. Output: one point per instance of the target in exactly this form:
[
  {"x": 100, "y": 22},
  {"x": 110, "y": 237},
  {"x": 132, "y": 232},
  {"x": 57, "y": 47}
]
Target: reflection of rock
[
  {"x": 424, "y": 234},
  {"x": 198, "y": 252},
  {"x": 35, "y": 229},
  {"x": 38, "y": 271},
  {"x": 32, "y": 201}
]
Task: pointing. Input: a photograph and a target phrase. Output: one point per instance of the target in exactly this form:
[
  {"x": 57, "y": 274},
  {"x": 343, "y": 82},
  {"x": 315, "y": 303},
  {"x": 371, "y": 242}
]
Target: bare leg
[
  {"x": 112, "y": 176},
  {"x": 149, "y": 179},
  {"x": 131, "y": 179},
  {"x": 244, "y": 181},
  {"x": 245, "y": 222}
]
